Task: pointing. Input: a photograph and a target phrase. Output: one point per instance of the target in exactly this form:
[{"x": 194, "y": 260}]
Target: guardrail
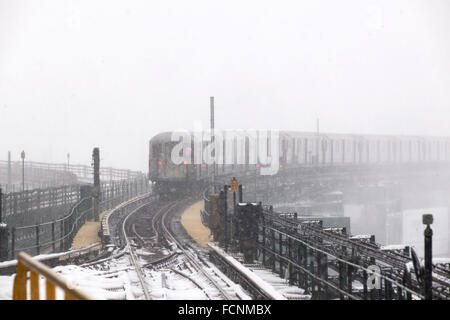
[
  {"x": 45, "y": 175},
  {"x": 17, "y": 203},
  {"x": 76, "y": 256},
  {"x": 57, "y": 233},
  {"x": 110, "y": 230},
  {"x": 26, "y": 263}
]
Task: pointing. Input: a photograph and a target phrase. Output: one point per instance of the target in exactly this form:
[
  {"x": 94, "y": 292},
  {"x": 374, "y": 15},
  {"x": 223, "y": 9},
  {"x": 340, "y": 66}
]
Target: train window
[
  {"x": 168, "y": 146},
  {"x": 294, "y": 148},
  {"x": 282, "y": 151},
  {"x": 156, "y": 150},
  {"x": 247, "y": 150},
  {"x": 224, "y": 150},
  {"x": 192, "y": 151},
  {"x": 306, "y": 150}
]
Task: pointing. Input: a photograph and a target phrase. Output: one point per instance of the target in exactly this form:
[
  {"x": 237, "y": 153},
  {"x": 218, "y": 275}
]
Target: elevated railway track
[
  {"x": 338, "y": 245},
  {"x": 327, "y": 262},
  {"x": 155, "y": 250},
  {"x": 310, "y": 252}
]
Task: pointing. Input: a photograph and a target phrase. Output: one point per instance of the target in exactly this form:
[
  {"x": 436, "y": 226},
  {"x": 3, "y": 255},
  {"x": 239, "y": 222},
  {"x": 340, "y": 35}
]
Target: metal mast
[{"x": 211, "y": 103}]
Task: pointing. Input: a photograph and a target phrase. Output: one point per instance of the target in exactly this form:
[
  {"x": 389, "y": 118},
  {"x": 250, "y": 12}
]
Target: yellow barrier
[{"x": 26, "y": 263}]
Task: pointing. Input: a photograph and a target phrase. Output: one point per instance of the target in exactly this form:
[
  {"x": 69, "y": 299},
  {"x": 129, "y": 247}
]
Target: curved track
[
  {"x": 191, "y": 257},
  {"x": 149, "y": 227},
  {"x": 133, "y": 258}
]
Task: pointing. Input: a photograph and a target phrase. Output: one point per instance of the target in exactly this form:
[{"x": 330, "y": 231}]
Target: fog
[{"x": 111, "y": 74}]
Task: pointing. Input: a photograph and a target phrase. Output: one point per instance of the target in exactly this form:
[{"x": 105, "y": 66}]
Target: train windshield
[{"x": 156, "y": 150}]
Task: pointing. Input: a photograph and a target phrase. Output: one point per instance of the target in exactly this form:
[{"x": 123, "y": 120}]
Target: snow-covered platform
[
  {"x": 88, "y": 233},
  {"x": 192, "y": 223}
]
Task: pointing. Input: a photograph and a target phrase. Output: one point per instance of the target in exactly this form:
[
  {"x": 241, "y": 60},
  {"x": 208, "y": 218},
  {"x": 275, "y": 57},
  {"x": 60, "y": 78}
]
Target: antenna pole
[{"x": 211, "y": 103}]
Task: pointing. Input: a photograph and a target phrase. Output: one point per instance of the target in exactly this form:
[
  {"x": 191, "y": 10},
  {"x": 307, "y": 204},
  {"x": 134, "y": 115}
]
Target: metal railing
[
  {"x": 17, "y": 206},
  {"x": 45, "y": 175},
  {"x": 26, "y": 263},
  {"x": 16, "y": 203},
  {"x": 57, "y": 234}
]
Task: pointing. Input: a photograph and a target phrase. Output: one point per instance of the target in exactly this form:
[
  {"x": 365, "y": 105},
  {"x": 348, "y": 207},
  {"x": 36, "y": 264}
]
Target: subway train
[{"x": 180, "y": 160}]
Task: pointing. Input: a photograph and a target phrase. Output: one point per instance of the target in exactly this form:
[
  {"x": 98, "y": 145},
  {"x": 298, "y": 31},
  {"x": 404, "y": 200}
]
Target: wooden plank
[
  {"x": 20, "y": 282},
  {"x": 34, "y": 282},
  {"x": 50, "y": 290}
]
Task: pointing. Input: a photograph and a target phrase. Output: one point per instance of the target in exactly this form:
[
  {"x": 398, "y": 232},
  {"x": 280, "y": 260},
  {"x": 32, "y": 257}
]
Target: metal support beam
[
  {"x": 213, "y": 176},
  {"x": 9, "y": 186},
  {"x": 96, "y": 188},
  {"x": 428, "y": 233}
]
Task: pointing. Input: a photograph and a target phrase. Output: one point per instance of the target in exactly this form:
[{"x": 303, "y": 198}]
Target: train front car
[{"x": 171, "y": 177}]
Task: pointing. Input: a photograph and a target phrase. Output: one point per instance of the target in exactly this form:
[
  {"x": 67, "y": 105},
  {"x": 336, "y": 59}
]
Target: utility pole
[
  {"x": 225, "y": 227},
  {"x": 8, "y": 188},
  {"x": 234, "y": 187},
  {"x": 317, "y": 141},
  {"x": 68, "y": 170},
  {"x": 96, "y": 188},
  {"x": 22, "y": 155},
  {"x": 3, "y": 234},
  {"x": 211, "y": 103},
  {"x": 256, "y": 177}
]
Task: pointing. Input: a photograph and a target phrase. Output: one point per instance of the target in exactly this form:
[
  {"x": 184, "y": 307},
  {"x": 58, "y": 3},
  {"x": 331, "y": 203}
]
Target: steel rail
[
  {"x": 134, "y": 259},
  {"x": 292, "y": 262},
  {"x": 390, "y": 259},
  {"x": 191, "y": 259},
  {"x": 256, "y": 289},
  {"x": 338, "y": 259},
  {"x": 193, "y": 281},
  {"x": 387, "y": 257}
]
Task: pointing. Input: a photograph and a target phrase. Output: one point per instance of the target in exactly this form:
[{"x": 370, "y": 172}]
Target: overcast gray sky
[{"x": 79, "y": 74}]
